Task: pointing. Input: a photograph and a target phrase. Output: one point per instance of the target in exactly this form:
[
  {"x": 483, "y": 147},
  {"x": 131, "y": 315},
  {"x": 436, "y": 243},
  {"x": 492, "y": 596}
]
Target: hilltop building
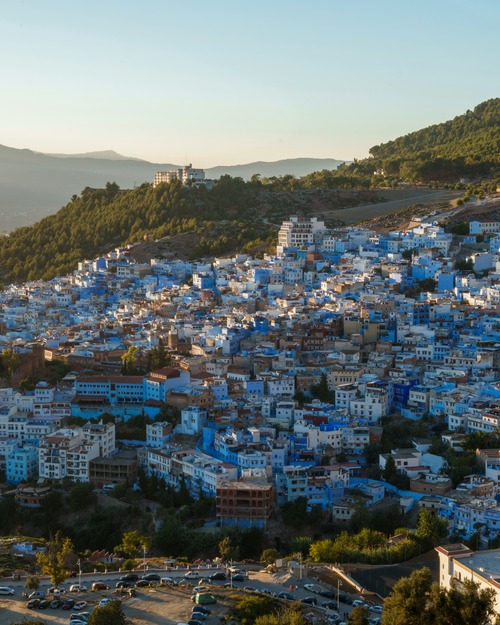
[{"x": 185, "y": 174}]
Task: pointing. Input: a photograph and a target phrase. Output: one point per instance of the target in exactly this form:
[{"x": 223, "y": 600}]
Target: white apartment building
[
  {"x": 458, "y": 563},
  {"x": 185, "y": 174},
  {"x": 104, "y": 434},
  {"x": 300, "y": 232},
  {"x": 373, "y": 406},
  {"x": 355, "y": 439}
]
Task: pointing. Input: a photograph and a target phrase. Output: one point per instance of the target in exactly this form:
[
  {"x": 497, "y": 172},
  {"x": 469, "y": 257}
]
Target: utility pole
[
  {"x": 79, "y": 573},
  {"x": 339, "y": 584}
]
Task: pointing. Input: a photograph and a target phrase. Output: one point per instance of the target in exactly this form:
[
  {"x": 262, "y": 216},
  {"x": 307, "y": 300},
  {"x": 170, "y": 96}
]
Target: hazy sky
[{"x": 222, "y": 82}]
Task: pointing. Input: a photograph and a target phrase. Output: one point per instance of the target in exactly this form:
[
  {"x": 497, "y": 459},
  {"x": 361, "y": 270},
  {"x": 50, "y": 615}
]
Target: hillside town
[{"x": 265, "y": 380}]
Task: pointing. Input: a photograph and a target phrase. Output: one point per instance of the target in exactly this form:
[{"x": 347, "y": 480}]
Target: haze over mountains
[{"x": 34, "y": 185}]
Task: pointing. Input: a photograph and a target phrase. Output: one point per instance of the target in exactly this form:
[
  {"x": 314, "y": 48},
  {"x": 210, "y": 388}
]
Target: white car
[
  {"x": 192, "y": 575},
  {"x": 376, "y": 608},
  {"x": 7, "y": 590},
  {"x": 77, "y": 588},
  {"x": 104, "y": 601},
  {"x": 358, "y": 603},
  {"x": 313, "y": 588}
]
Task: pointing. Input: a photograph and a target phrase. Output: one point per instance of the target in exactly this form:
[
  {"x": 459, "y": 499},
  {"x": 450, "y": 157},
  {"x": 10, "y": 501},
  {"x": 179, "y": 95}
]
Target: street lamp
[
  {"x": 339, "y": 584},
  {"x": 144, "y": 558},
  {"x": 79, "y": 573}
]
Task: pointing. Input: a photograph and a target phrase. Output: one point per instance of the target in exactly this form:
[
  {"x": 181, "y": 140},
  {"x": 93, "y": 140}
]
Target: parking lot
[
  {"x": 161, "y": 605},
  {"x": 170, "y": 605}
]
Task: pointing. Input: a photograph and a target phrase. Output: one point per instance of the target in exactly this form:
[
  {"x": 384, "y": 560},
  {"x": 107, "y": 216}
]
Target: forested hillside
[
  {"x": 100, "y": 219},
  {"x": 468, "y": 145},
  {"x": 233, "y": 216}
]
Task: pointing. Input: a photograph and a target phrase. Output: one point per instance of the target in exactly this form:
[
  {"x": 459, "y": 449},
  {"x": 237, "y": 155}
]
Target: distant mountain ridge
[{"x": 34, "y": 185}]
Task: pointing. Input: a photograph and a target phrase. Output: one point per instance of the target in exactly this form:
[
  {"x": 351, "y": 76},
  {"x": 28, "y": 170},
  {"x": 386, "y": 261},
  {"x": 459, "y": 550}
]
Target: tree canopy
[
  {"x": 416, "y": 600},
  {"x": 56, "y": 560}
]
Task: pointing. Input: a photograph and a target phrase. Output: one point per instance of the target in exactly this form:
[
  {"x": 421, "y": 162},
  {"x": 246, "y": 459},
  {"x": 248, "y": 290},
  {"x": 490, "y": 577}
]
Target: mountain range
[{"x": 34, "y": 185}]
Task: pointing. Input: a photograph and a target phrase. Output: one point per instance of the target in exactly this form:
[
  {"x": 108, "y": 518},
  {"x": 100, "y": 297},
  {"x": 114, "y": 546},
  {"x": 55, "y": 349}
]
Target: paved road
[{"x": 369, "y": 211}]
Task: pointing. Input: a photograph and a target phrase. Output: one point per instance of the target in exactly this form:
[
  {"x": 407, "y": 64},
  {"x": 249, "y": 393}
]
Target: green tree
[
  {"x": 227, "y": 549},
  {"x": 56, "y": 560},
  {"x": 359, "y": 616},
  {"x": 11, "y": 361},
  {"x": 32, "y": 582},
  {"x": 82, "y": 496},
  {"x": 301, "y": 544},
  {"x": 389, "y": 473},
  {"x": 416, "y": 599},
  {"x": 295, "y": 513},
  {"x": 269, "y": 556},
  {"x": 133, "y": 543},
  {"x": 129, "y": 361},
  {"x": 110, "y": 614},
  {"x": 431, "y": 528},
  {"x": 467, "y": 603},
  {"x": 408, "y": 603},
  {"x": 321, "y": 390}
]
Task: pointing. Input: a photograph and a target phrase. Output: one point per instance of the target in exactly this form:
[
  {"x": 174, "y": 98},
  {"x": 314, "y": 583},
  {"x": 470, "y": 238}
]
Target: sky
[{"x": 232, "y": 81}]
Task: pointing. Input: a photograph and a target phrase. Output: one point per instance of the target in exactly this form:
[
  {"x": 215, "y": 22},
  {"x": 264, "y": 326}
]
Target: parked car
[
  {"x": 7, "y": 590},
  {"x": 201, "y": 608},
  {"x": 99, "y": 586},
  {"x": 33, "y": 604},
  {"x": 193, "y": 621},
  {"x": 345, "y": 598},
  {"x": 143, "y": 583},
  {"x": 80, "y": 616},
  {"x": 169, "y": 581},
  {"x": 77, "y": 588},
  {"x": 124, "y": 585},
  {"x": 238, "y": 577},
  {"x": 285, "y": 595},
  {"x": 44, "y": 604},
  {"x": 357, "y": 603},
  {"x": 309, "y": 600},
  {"x": 201, "y": 616},
  {"x": 198, "y": 589},
  {"x": 218, "y": 576},
  {"x": 104, "y": 601},
  {"x": 56, "y": 604},
  {"x": 152, "y": 577},
  {"x": 79, "y": 605},
  {"x": 329, "y": 594},
  {"x": 68, "y": 604},
  {"x": 56, "y": 591},
  {"x": 192, "y": 575},
  {"x": 376, "y": 608},
  {"x": 130, "y": 577},
  {"x": 331, "y": 605},
  {"x": 313, "y": 588}
]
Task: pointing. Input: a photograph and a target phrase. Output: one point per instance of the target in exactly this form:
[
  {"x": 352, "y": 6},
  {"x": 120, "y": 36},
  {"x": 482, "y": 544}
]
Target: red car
[{"x": 68, "y": 604}]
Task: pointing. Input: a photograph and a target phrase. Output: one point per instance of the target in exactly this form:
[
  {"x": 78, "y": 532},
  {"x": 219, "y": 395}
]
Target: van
[
  {"x": 37, "y": 594},
  {"x": 192, "y": 575},
  {"x": 7, "y": 590}
]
